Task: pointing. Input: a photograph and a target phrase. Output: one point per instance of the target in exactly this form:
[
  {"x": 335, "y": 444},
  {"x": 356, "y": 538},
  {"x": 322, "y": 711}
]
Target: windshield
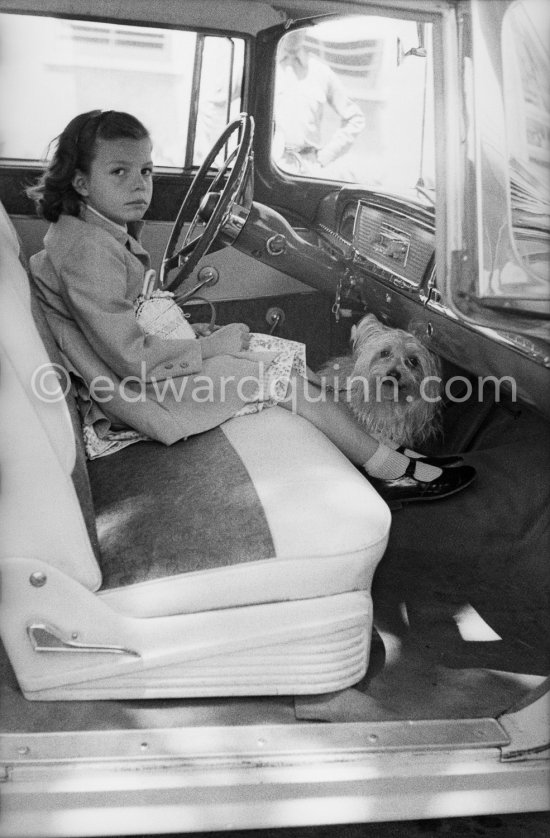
[{"x": 354, "y": 103}]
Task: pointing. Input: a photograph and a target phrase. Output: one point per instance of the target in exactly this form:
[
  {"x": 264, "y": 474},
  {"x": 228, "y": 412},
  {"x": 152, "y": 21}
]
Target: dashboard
[
  {"x": 392, "y": 246},
  {"x": 389, "y": 244},
  {"x": 389, "y": 247}
]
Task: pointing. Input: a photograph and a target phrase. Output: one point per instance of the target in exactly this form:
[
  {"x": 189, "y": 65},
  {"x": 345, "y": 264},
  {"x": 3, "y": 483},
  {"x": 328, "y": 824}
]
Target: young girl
[{"x": 95, "y": 192}]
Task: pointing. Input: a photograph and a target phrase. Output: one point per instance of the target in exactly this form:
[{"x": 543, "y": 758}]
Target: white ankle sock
[
  {"x": 388, "y": 464},
  {"x": 408, "y": 452}
]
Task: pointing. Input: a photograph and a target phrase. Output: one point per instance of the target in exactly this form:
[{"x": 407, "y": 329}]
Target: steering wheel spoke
[
  {"x": 188, "y": 239},
  {"x": 215, "y": 207}
]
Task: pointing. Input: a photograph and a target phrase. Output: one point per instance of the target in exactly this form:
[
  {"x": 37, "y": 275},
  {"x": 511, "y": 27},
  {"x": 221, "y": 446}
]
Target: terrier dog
[{"x": 391, "y": 383}]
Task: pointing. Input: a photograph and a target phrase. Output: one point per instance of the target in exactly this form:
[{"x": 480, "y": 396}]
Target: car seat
[{"x": 237, "y": 562}]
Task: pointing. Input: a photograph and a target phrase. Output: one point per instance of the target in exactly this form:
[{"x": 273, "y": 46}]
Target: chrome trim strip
[{"x": 45, "y": 638}]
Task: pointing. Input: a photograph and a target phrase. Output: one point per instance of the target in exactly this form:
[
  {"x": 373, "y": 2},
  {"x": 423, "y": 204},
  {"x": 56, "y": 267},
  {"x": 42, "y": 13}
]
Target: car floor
[
  {"x": 461, "y": 595},
  {"x": 460, "y": 601}
]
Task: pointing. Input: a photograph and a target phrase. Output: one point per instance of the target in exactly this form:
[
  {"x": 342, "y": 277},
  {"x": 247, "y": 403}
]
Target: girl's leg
[
  {"x": 332, "y": 418},
  {"x": 397, "y": 477},
  {"x": 338, "y": 424}
]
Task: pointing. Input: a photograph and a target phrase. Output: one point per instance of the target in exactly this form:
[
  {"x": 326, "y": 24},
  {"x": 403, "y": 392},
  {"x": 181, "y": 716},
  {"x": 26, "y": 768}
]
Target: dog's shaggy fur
[{"x": 391, "y": 383}]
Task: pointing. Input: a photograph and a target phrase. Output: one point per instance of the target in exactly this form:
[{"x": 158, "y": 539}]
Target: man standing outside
[{"x": 305, "y": 86}]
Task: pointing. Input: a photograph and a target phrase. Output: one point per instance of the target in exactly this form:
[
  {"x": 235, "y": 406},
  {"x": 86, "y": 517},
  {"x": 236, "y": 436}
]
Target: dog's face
[
  {"x": 395, "y": 364},
  {"x": 395, "y": 383}
]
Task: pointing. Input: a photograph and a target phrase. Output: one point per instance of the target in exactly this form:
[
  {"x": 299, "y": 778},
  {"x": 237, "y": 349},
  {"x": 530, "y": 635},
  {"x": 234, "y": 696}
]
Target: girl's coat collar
[
  {"x": 62, "y": 234},
  {"x": 128, "y": 237}
]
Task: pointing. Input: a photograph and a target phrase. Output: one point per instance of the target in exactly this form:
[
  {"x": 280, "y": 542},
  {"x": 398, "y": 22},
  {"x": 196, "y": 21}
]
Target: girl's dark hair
[{"x": 54, "y": 194}]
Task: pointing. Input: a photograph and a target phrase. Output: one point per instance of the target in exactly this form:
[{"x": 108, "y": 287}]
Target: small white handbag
[{"x": 158, "y": 313}]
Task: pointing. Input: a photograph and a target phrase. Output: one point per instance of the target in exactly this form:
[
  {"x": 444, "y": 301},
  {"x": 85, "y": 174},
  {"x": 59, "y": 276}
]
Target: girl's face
[{"x": 119, "y": 184}]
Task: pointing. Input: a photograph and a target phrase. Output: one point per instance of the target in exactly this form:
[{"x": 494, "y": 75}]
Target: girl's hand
[
  {"x": 228, "y": 340},
  {"x": 203, "y": 330}
]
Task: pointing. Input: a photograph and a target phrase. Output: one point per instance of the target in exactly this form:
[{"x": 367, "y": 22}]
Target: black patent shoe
[
  {"x": 408, "y": 488},
  {"x": 441, "y": 462}
]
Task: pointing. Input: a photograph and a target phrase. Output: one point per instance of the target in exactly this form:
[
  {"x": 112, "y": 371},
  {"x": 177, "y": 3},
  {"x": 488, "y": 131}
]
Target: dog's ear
[{"x": 368, "y": 328}]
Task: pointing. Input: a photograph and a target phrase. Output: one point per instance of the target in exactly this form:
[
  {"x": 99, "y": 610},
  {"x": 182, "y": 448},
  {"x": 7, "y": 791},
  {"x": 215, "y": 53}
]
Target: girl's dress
[{"x": 131, "y": 384}]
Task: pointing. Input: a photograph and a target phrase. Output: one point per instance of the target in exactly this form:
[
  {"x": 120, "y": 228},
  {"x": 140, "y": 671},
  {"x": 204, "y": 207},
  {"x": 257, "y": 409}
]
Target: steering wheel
[{"x": 225, "y": 211}]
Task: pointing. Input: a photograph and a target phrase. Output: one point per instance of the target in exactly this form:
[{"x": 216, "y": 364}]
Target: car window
[
  {"x": 526, "y": 30},
  {"x": 54, "y": 68},
  {"x": 354, "y": 102}
]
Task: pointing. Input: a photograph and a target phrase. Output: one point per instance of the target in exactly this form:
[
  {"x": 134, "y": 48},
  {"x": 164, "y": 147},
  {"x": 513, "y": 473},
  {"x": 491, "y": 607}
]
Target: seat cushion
[
  {"x": 166, "y": 510},
  {"x": 262, "y": 509}
]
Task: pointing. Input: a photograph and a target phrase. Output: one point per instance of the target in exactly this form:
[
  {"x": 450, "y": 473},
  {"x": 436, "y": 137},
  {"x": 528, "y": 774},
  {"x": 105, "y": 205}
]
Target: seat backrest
[{"x": 46, "y": 509}]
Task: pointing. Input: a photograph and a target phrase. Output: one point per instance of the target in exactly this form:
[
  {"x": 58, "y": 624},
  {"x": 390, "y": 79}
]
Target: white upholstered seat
[{"x": 266, "y": 588}]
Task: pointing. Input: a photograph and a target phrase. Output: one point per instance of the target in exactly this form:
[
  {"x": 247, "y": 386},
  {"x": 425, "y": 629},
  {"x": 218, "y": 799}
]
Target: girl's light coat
[{"x": 88, "y": 277}]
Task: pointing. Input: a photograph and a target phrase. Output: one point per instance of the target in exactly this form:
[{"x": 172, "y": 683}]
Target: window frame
[{"x": 30, "y": 165}]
